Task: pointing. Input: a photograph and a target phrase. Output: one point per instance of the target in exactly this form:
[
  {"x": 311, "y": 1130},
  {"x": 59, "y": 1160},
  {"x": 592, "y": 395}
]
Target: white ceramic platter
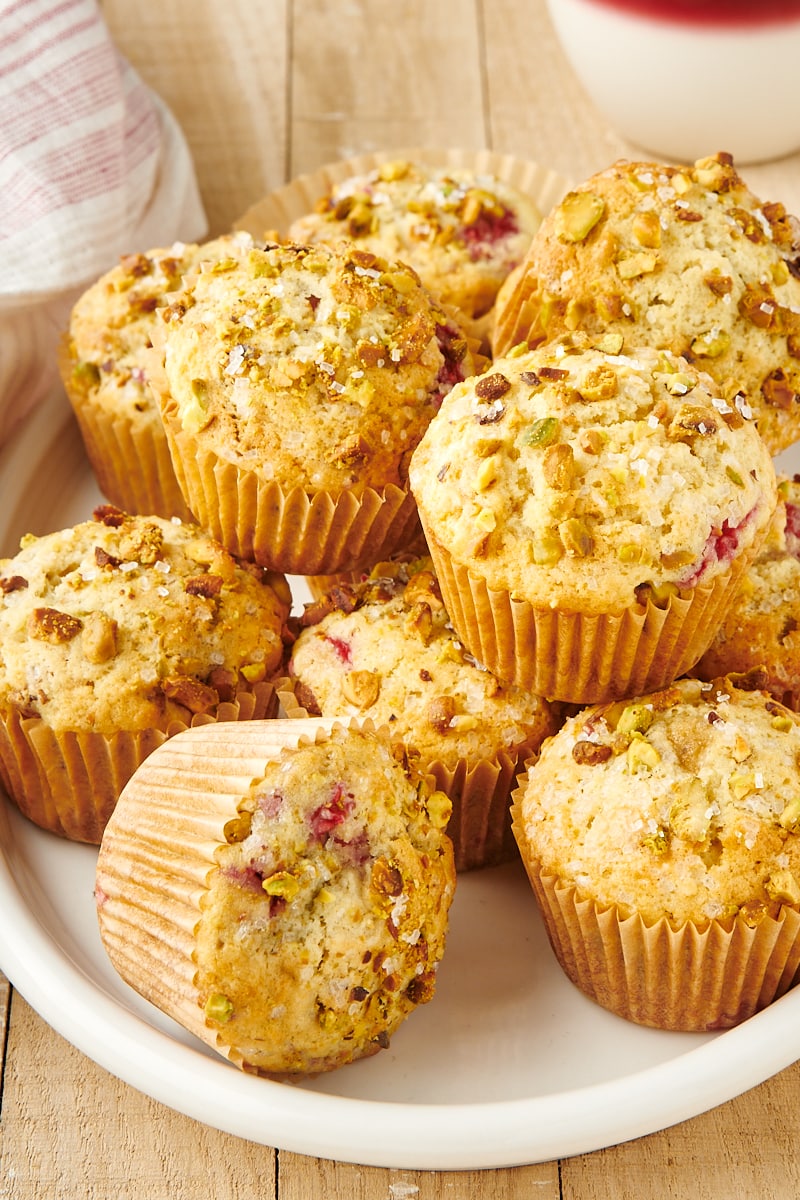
[{"x": 508, "y": 1064}]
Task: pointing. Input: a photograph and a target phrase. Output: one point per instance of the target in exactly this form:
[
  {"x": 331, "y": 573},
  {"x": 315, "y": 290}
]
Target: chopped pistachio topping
[
  {"x": 282, "y": 884},
  {"x": 542, "y": 433},
  {"x": 578, "y": 214},
  {"x": 218, "y": 1008}
]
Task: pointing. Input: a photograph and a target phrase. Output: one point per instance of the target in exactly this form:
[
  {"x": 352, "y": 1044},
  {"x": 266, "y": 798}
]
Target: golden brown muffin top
[
  {"x": 129, "y": 623},
  {"x": 684, "y": 804},
  {"x": 386, "y": 650},
  {"x": 573, "y": 476},
  {"x": 314, "y": 366},
  {"x": 680, "y": 258},
  {"x": 462, "y": 231}
]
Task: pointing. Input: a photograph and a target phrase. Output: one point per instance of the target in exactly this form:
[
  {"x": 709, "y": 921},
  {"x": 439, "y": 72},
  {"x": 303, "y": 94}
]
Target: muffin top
[
  {"x": 386, "y": 649},
  {"x": 324, "y": 924},
  {"x": 462, "y": 231},
  {"x": 111, "y": 325},
  {"x": 762, "y": 626},
  {"x": 681, "y": 258},
  {"x": 315, "y": 366},
  {"x": 129, "y": 623},
  {"x": 575, "y": 477},
  {"x": 683, "y": 804}
]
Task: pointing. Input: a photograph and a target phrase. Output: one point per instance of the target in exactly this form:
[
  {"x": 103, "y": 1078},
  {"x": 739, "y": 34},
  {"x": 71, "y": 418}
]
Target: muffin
[
  {"x": 661, "y": 836},
  {"x": 319, "y": 884},
  {"x": 762, "y": 628},
  {"x": 114, "y": 634},
  {"x": 104, "y": 364},
  {"x": 461, "y": 230},
  {"x": 296, "y": 384},
  {"x": 679, "y": 258},
  {"x": 588, "y": 514},
  {"x": 386, "y": 650}
]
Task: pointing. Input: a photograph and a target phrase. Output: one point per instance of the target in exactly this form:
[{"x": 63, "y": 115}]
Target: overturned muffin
[
  {"x": 463, "y": 231},
  {"x": 662, "y": 838},
  {"x": 323, "y": 878},
  {"x": 113, "y": 634},
  {"x": 105, "y": 367},
  {"x": 297, "y": 383},
  {"x": 386, "y": 649},
  {"x": 686, "y": 259},
  {"x": 761, "y": 631}
]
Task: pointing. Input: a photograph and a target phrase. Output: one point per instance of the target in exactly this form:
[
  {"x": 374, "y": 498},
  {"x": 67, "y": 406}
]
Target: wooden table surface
[{"x": 265, "y": 91}]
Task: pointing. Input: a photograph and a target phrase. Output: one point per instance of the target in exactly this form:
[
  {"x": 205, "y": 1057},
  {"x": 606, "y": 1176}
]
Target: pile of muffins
[{"x": 527, "y": 471}]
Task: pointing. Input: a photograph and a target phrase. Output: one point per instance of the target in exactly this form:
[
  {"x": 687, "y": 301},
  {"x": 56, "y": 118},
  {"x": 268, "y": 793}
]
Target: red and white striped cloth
[{"x": 92, "y": 165}]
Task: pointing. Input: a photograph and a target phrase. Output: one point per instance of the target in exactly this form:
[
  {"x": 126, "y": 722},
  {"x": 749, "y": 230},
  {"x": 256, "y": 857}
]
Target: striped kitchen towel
[{"x": 92, "y": 165}]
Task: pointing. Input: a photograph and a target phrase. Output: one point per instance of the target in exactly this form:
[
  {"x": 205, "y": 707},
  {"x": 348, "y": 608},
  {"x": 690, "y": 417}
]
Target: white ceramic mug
[{"x": 685, "y": 78}]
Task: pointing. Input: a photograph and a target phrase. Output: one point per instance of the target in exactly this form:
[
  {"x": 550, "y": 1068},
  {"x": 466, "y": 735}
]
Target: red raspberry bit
[
  {"x": 342, "y": 648},
  {"x": 793, "y": 530},
  {"x": 270, "y": 803},
  {"x": 332, "y": 813},
  {"x": 489, "y": 228}
]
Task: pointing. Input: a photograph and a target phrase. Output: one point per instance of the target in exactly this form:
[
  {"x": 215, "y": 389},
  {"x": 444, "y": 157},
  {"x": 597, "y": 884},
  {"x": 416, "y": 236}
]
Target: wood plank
[
  {"x": 71, "y": 1131},
  {"x": 373, "y": 75},
  {"x": 747, "y": 1147},
  {"x": 5, "y": 999},
  {"x": 222, "y": 69},
  {"x": 537, "y": 108},
  {"x": 301, "y": 1178}
]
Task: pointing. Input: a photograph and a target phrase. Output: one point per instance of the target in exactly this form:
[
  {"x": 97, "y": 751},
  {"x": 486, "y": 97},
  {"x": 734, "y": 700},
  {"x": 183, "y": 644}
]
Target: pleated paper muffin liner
[
  {"x": 68, "y": 782},
  {"x": 517, "y": 312},
  {"x": 287, "y": 530},
  {"x": 583, "y": 658},
  {"x": 320, "y": 585},
  {"x": 693, "y": 978},
  {"x": 160, "y": 848},
  {"x": 275, "y": 212},
  {"x": 132, "y": 465},
  {"x": 479, "y": 790},
  {"x": 157, "y": 864}
]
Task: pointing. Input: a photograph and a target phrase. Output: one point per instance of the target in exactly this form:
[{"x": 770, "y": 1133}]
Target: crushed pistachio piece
[
  {"x": 782, "y": 723},
  {"x": 440, "y": 808},
  {"x": 634, "y": 265},
  {"x": 282, "y": 884},
  {"x": 688, "y": 816},
  {"x": 486, "y": 520},
  {"x": 488, "y": 473},
  {"x": 576, "y": 537},
  {"x": 578, "y": 214},
  {"x": 218, "y": 1008},
  {"x": 790, "y": 817},
  {"x": 782, "y": 886},
  {"x": 642, "y": 755},
  {"x": 658, "y": 842},
  {"x": 635, "y": 718},
  {"x": 711, "y": 344},
  {"x": 610, "y": 343},
  {"x": 646, "y": 229},
  {"x": 542, "y": 433},
  {"x": 547, "y": 550},
  {"x": 734, "y": 476}
]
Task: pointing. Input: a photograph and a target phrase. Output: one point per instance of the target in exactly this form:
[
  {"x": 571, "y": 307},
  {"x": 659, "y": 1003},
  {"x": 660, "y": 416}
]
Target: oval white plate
[{"x": 508, "y": 1064}]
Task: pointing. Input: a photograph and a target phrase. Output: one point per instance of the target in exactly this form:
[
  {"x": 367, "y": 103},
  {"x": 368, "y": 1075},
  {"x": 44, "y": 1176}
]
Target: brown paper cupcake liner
[
  {"x": 582, "y": 658},
  {"x": 516, "y": 314},
  {"x": 287, "y": 530},
  {"x": 278, "y": 209},
  {"x": 479, "y": 789},
  {"x": 320, "y": 585},
  {"x": 68, "y": 782},
  {"x": 160, "y": 846},
  {"x": 132, "y": 466},
  {"x": 689, "y": 978}
]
